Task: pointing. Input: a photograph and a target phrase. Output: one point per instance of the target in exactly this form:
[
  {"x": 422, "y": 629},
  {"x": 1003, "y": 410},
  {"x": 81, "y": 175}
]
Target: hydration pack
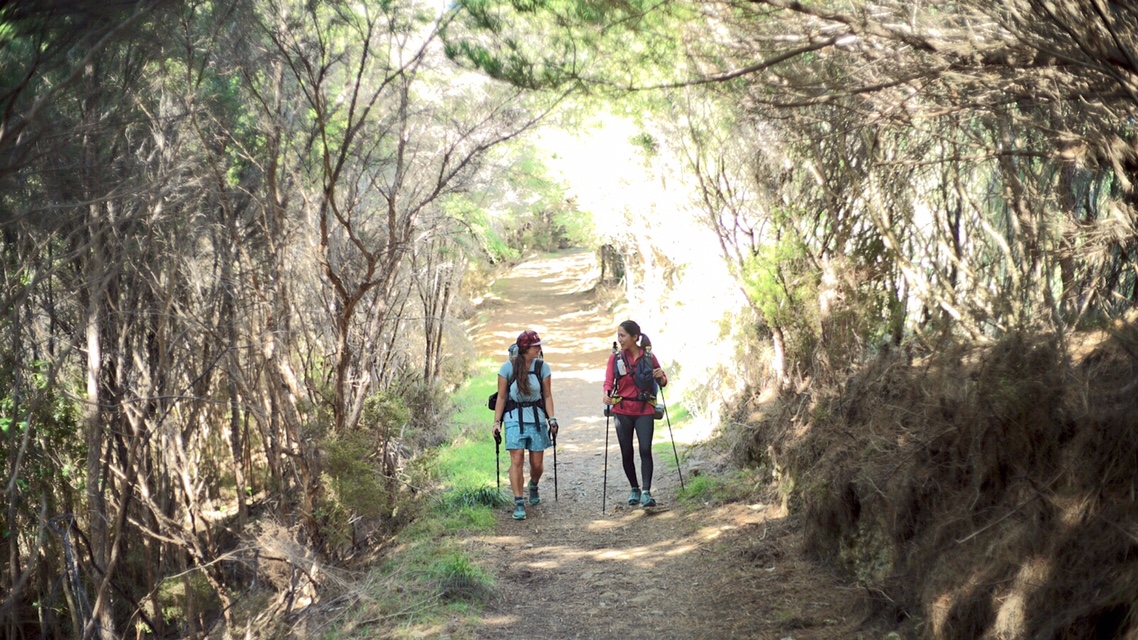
[
  {"x": 511, "y": 404},
  {"x": 646, "y": 384},
  {"x": 642, "y": 376},
  {"x": 492, "y": 401}
]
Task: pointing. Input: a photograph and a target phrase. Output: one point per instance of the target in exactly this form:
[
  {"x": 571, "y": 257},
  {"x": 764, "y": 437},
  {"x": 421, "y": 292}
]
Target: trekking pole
[
  {"x": 608, "y": 414},
  {"x": 553, "y": 436},
  {"x": 554, "y": 439},
  {"x": 668, "y": 416},
  {"x": 605, "y": 490},
  {"x": 498, "y": 459}
]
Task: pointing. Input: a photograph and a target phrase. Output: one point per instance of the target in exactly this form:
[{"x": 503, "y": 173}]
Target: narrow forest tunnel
[
  {"x": 256, "y": 251},
  {"x": 569, "y": 571}
]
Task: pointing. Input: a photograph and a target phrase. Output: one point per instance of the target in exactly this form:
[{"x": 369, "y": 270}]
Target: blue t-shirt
[{"x": 507, "y": 371}]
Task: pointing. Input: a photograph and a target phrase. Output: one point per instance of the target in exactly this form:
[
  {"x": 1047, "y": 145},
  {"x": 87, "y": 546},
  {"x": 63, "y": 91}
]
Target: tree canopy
[{"x": 237, "y": 234}]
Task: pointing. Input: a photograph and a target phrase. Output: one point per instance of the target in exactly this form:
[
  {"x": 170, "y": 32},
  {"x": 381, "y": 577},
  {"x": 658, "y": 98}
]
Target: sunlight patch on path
[
  {"x": 601, "y": 533},
  {"x": 570, "y": 557}
]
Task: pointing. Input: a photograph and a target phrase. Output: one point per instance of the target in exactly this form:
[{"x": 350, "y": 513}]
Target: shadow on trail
[
  {"x": 568, "y": 571},
  {"x": 678, "y": 572}
]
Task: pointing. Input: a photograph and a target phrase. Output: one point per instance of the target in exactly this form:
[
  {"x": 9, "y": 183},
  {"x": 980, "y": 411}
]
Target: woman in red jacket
[{"x": 633, "y": 407}]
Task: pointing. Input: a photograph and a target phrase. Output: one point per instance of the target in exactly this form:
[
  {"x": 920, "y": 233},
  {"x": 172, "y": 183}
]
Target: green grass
[
  {"x": 678, "y": 414},
  {"x": 704, "y": 489},
  {"x": 428, "y": 577},
  {"x": 458, "y": 578},
  {"x": 469, "y": 462},
  {"x": 470, "y": 398},
  {"x": 663, "y": 436}
]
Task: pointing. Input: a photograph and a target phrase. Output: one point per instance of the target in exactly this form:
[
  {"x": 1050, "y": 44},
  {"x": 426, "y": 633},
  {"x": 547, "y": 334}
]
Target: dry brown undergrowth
[{"x": 977, "y": 492}]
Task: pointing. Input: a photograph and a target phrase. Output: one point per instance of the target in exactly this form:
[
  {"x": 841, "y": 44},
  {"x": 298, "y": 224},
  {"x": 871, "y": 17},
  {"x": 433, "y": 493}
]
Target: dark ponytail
[{"x": 633, "y": 329}]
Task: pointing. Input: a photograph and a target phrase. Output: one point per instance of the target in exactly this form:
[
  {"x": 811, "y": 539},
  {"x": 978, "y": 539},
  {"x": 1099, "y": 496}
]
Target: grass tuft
[
  {"x": 457, "y": 578},
  {"x": 484, "y": 496}
]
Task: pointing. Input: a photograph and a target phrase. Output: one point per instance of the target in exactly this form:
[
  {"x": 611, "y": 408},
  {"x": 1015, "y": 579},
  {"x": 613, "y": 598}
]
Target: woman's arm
[{"x": 610, "y": 375}]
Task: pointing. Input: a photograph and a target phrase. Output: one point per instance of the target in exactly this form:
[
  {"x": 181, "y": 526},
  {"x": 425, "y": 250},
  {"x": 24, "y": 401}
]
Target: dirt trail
[{"x": 568, "y": 571}]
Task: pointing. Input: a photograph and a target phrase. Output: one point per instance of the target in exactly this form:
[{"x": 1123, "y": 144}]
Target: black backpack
[
  {"x": 645, "y": 383},
  {"x": 642, "y": 376},
  {"x": 511, "y": 404}
]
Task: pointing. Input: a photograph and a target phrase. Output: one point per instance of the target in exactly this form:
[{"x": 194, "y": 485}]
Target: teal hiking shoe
[
  {"x": 634, "y": 496},
  {"x": 647, "y": 500},
  {"x": 519, "y": 509},
  {"x": 533, "y": 497}
]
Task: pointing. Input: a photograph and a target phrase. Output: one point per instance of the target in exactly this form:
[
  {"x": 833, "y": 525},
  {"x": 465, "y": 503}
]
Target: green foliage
[
  {"x": 699, "y": 490},
  {"x": 52, "y": 465},
  {"x": 384, "y": 414},
  {"x": 175, "y": 596},
  {"x": 426, "y": 567},
  {"x": 454, "y": 516},
  {"x": 480, "y": 497},
  {"x": 359, "y": 496},
  {"x": 354, "y": 485},
  {"x": 429, "y": 413},
  {"x": 459, "y": 578},
  {"x": 678, "y": 413},
  {"x": 524, "y": 208},
  {"x": 647, "y": 144},
  {"x": 487, "y": 231},
  {"x": 544, "y": 216},
  {"x": 353, "y": 488},
  {"x": 469, "y": 461},
  {"x": 424, "y": 571},
  {"x": 736, "y": 486},
  {"x": 470, "y": 397},
  {"x": 777, "y": 284},
  {"x": 551, "y": 44},
  {"x": 576, "y": 226}
]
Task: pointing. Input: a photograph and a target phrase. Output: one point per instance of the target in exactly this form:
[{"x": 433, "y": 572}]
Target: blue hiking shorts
[{"x": 534, "y": 438}]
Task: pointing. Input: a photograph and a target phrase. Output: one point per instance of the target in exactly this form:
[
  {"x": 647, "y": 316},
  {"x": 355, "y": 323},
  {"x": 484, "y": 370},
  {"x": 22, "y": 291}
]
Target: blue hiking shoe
[
  {"x": 533, "y": 497},
  {"x": 519, "y": 509},
  {"x": 634, "y": 496},
  {"x": 646, "y": 500}
]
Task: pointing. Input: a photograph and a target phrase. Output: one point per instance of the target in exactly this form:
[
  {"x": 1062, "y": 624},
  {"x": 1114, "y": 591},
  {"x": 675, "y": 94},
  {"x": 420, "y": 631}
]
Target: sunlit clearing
[{"x": 609, "y": 177}]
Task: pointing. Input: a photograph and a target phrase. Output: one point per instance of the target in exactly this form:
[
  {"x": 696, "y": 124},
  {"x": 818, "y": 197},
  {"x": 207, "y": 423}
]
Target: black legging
[{"x": 644, "y": 426}]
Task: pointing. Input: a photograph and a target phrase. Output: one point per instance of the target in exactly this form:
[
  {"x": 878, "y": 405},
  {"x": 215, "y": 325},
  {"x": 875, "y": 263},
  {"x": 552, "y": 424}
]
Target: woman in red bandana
[{"x": 525, "y": 410}]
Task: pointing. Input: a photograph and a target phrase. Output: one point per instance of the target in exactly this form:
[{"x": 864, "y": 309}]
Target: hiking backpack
[
  {"x": 642, "y": 376},
  {"x": 645, "y": 382},
  {"x": 511, "y": 404}
]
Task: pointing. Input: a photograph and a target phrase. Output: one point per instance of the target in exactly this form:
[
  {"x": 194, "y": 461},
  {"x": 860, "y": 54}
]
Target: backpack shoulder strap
[{"x": 534, "y": 369}]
